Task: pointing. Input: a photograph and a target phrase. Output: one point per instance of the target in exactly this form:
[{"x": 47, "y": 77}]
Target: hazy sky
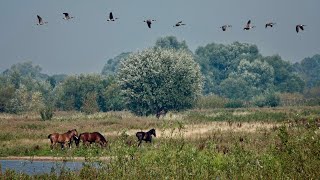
[{"x": 83, "y": 44}]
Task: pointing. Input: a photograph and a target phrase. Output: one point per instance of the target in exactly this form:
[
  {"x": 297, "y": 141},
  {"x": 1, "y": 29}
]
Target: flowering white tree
[{"x": 159, "y": 79}]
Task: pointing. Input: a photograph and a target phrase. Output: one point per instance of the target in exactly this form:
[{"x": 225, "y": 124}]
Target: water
[{"x": 39, "y": 167}]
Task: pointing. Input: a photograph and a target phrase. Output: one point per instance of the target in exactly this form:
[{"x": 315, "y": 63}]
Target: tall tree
[
  {"x": 157, "y": 79},
  {"x": 285, "y": 79},
  {"x": 217, "y": 61},
  {"x": 309, "y": 70},
  {"x": 171, "y": 42},
  {"x": 112, "y": 65},
  {"x": 249, "y": 80}
]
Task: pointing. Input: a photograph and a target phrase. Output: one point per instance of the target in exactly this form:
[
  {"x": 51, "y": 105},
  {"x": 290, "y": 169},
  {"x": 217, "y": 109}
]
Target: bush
[
  {"x": 234, "y": 104},
  {"x": 46, "y": 113},
  {"x": 269, "y": 100},
  {"x": 210, "y": 101}
]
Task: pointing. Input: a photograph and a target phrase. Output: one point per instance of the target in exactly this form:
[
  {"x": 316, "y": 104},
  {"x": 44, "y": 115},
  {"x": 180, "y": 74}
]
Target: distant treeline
[{"x": 165, "y": 77}]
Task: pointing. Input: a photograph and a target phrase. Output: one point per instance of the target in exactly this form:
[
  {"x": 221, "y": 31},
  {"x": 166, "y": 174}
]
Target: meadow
[{"x": 242, "y": 143}]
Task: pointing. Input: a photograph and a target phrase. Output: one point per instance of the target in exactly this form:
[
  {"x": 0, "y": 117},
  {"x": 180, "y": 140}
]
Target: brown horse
[
  {"x": 145, "y": 136},
  {"x": 63, "y": 138},
  {"x": 89, "y": 138}
]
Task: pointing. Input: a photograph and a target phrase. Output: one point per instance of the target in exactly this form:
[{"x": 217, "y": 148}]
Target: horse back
[
  {"x": 140, "y": 135},
  {"x": 92, "y": 137}
]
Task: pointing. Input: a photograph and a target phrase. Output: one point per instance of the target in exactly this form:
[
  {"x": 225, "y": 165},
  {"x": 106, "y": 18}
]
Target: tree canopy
[
  {"x": 157, "y": 79},
  {"x": 309, "y": 70}
]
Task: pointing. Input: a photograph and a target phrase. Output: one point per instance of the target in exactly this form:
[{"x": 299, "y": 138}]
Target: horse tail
[{"x": 49, "y": 137}]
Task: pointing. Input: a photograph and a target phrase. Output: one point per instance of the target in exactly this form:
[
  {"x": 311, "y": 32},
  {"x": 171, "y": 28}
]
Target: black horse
[{"x": 145, "y": 136}]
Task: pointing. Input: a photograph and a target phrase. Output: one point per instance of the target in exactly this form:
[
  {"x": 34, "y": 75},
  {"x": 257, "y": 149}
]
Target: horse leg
[
  {"x": 62, "y": 145},
  {"x": 52, "y": 145},
  {"x": 139, "y": 143}
]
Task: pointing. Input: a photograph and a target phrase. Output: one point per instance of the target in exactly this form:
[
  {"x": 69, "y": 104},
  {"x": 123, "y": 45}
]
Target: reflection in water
[{"x": 39, "y": 167}]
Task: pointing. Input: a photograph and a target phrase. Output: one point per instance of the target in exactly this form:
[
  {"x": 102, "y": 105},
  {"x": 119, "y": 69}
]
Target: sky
[{"x": 85, "y": 43}]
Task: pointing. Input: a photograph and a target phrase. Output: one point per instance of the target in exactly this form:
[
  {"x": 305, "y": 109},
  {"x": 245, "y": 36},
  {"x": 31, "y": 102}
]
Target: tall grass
[
  {"x": 294, "y": 154},
  {"x": 290, "y": 151}
]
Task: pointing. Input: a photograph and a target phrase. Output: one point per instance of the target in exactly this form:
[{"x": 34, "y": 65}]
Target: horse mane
[{"x": 69, "y": 131}]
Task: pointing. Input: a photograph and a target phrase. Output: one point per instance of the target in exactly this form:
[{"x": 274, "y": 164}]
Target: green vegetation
[
  {"x": 157, "y": 79},
  {"x": 236, "y": 73},
  {"x": 263, "y": 143},
  {"x": 255, "y": 117}
]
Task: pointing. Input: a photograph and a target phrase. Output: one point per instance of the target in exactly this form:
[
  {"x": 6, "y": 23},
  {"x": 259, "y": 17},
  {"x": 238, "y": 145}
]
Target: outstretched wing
[
  {"x": 39, "y": 19},
  {"x": 301, "y": 27},
  {"x": 66, "y": 15},
  {"x": 297, "y": 28}
]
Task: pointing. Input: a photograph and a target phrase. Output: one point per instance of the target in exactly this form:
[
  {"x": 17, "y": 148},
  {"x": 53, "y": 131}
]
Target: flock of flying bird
[{"x": 248, "y": 26}]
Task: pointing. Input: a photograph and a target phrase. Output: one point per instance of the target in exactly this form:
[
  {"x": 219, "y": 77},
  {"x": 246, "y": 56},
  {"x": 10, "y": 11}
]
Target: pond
[{"x": 39, "y": 167}]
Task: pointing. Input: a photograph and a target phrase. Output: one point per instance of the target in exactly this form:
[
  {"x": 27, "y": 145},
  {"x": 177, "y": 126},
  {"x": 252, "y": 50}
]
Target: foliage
[
  {"x": 72, "y": 93},
  {"x": 46, "y": 113},
  {"x": 309, "y": 69},
  {"x": 234, "y": 104},
  {"x": 25, "y": 69},
  {"x": 54, "y": 80},
  {"x": 249, "y": 80},
  {"x": 269, "y": 100},
  {"x": 6, "y": 94},
  {"x": 210, "y": 101},
  {"x": 114, "y": 101},
  {"x": 157, "y": 79},
  {"x": 90, "y": 104},
  {"x": 171, "y": 42},
  {"x": 279, "y": 153},
  {"x": 217, "y": 61},
  {"x": 285, "y": 79},
  {"x": 112, "y": 65},
  {"x": 235, "y": 88},
  {"x": 23, "y": 88}
]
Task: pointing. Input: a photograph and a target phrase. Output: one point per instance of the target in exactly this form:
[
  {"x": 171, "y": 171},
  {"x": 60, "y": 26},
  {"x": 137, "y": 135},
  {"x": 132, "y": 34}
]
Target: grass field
[{"x": 264, "y": 143}]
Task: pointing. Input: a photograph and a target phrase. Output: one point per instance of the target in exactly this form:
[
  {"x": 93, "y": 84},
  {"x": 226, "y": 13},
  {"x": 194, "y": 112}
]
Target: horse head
[
  {"x": 153, "y": 132},
  {"x": 73, "y": 133}
]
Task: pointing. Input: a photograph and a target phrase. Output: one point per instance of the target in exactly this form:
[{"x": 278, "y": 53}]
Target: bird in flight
[
  {"x": 224, "y": 27},
  {"x": 66, "y": 16},
  {"x": 40, "y": 21},
  {"x": 299, "y": 27},
  {"x": 270, "y": 24},
  {"x": 111, "y": 18},
  {"x": 179, "y": 24},
  {"x": 248, "y": 26},
  {"x": 149, "y": 22}
]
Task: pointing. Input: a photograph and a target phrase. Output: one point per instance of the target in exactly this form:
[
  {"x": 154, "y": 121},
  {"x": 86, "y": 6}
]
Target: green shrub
[
  {"x": 210, "y": 101},
  {"x": 234, "y": 104},
  {"x": 269, "y": 100},
  {"x": 46, "y": 113}
]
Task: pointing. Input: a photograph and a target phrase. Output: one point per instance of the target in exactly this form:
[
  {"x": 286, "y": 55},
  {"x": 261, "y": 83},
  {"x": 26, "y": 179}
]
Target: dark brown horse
[
  {"x": 89, "y": 138},
  {"x": 145, "y": 136},
  {"x": 63, "y": 138}
]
